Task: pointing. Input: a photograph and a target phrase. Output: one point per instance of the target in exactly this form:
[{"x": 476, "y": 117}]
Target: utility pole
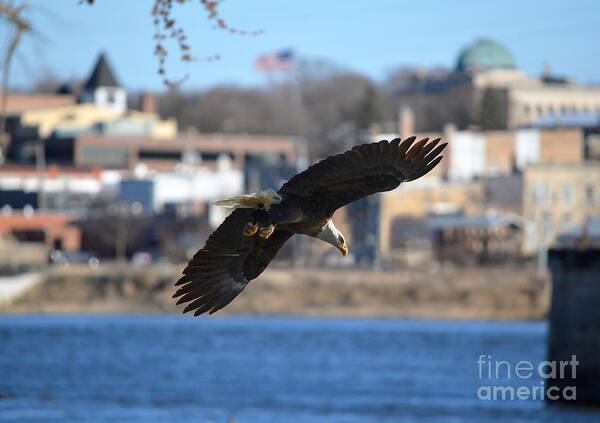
[{"x": 40, "y": 166}]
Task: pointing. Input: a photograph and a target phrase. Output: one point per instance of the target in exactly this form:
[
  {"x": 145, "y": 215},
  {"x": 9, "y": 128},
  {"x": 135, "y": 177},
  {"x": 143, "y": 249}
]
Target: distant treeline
[{"x": 327, "y": 105}]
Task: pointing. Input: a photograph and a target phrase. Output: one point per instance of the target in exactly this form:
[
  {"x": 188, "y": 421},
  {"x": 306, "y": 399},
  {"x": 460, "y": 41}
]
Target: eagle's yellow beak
[{"x": 343, "y": 248}]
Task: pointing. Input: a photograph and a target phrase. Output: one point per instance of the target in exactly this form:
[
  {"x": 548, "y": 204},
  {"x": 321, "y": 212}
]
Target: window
[
  {"x": 566, "y": 220},
  {"x": 590, "y": 194},
  {"x": 541, "y": 193},
  {"x": 110, "y": 97},
  {"x": 546, "y": 227},
  {"x": 568, "y": 193},
  {"x": 109, "y": 156},
  {"x": 159, "y": 155}
]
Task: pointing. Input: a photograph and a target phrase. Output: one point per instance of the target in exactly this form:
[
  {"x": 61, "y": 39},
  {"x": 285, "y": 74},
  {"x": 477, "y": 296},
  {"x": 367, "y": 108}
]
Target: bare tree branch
[
  {"x": 167, "y": 30},
  {"x": 13, "y": 14}
]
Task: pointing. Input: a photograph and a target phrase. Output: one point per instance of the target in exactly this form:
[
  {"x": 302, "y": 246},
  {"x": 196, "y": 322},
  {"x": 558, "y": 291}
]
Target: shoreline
[{"x": 504, "y": 293}]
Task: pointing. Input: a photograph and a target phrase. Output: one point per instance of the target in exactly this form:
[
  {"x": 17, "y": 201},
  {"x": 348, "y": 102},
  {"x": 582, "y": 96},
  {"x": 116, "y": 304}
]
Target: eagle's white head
[{"x": 330, "y": 234}]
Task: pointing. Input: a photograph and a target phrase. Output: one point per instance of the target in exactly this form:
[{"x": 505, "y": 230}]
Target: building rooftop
[
  {"x": 485, "y": 54},
  {"x": 19, "y": 103},
  {"x": 52, "y": 171},
  {"x": 276, "y": 144},
  {"x": 102, "y": 75},
  {"x": 570, "y": 120},
  {"x": 474, "y": 222},
  {"x": 37, "y": 221},
  {"x": 587, "y": 235}
]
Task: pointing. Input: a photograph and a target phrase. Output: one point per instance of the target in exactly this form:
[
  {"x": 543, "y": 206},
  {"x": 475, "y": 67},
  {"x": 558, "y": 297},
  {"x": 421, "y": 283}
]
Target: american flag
[{"x": 281, "y": 61}]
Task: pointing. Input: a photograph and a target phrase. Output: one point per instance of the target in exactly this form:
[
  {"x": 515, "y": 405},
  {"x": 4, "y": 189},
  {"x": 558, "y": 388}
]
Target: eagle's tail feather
[{"x": 261, "y": 199}]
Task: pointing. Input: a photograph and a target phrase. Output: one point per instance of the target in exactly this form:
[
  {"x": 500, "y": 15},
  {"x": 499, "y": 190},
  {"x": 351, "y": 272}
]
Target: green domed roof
[{"x": 485, "y": 54}]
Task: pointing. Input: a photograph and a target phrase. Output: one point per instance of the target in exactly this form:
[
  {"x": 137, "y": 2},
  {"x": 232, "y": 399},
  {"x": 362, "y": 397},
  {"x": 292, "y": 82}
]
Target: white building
[
  {"x": 186, "y": 185},
  {"x": 476, "y": 154}
]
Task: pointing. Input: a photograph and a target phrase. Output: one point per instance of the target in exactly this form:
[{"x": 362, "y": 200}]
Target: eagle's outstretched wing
[
  {"x": 229, "y": 260},
  {"x": 366, "y": 169}
]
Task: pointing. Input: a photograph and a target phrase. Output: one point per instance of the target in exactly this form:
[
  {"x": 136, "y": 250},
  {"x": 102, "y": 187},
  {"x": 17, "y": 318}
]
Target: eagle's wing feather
[
  {"x": 229, "y": 260},
  {"x": 366, "y": 169}
]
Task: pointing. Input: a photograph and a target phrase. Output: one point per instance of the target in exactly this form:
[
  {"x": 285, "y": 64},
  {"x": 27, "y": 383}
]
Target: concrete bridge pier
[{"x": 575, "y": 321}]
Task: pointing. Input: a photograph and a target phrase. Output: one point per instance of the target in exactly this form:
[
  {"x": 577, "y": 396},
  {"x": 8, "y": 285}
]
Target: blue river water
[{"x": 263, "y": 369}]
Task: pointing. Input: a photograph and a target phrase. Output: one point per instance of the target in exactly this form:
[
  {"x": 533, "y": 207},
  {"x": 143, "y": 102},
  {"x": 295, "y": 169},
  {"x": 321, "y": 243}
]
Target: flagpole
[
  {"x": 296, "y": 96},
  {"x": 302, "y": 248},
  {"x": 284, "y": 61}
]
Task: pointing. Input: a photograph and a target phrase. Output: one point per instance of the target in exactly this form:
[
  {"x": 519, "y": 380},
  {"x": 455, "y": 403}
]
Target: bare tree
[
  {"x": 118, "y": 226},
  {"x": 14, "y": 15},
  {"x": 321, "y": 106},
  {"x": 369, "y": 111}
]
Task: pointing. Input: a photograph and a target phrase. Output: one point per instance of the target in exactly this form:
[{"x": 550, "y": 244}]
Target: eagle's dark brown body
[
  {"x": 229, "y": 260},
  {"x": 296, "y": 214}
]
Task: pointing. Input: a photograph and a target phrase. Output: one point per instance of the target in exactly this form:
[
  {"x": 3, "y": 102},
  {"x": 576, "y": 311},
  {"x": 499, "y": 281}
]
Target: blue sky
[{"x": 370, "y": 37}]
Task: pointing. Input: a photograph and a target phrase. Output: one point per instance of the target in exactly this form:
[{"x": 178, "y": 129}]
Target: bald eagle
[{"x": 246, "y": 242}]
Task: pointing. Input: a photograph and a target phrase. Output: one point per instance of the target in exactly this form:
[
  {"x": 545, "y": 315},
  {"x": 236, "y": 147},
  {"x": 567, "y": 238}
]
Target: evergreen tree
[
  {"x": 369, "y": 109},
  {"x": 493, "y": 109}
]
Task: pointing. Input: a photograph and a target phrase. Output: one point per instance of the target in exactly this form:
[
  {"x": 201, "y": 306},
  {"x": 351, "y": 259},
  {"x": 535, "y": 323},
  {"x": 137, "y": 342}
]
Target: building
[
  {"x": 102, "y": 88},
  {"x": 490, "y": 238},
  {"x": 557, "y": 196},
  {"x": 100, "y": 111},
  {"x": 91, "y": 119},
  {"x": 17, "y": 103},
  {"x": 52, "y": 229},
  {"x": 55, "y": 187},
  {"x": 487, "y": 70},
  {"x": 475, "y": 154},
  {"x": 193, "y": 187},
  {"x": 528, "y": 100},
  {"x": 80, "y": 166},
  {"x": 166, "y": 155},
  {"x": 425, "y": 198},
  {"x": 97, "y": 147},
  {"x": 504, "y": 193},
  {"x": 492, "y": 171},
  {"x": 481, "y": 173},
  {"x": 477, "y": 240}
]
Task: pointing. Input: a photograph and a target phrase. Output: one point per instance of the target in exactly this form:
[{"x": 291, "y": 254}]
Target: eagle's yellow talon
[
  {"x": 250, "y": 229},
  {"x": 266, "y": 231}
]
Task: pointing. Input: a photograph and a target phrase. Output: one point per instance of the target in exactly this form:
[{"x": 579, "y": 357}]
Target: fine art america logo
[{"x": 503, "y": 380}]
